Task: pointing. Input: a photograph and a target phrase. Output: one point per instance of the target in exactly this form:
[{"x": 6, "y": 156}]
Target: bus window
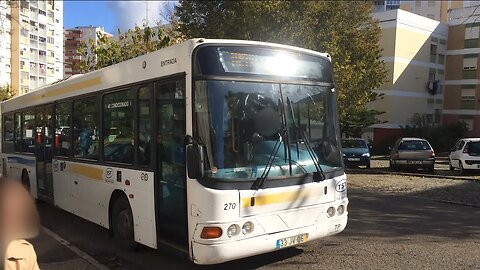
[
  {"x": 18, "y": 132},
  {"x": 7, "y": 128},
  {"x": 28, "y": 131},
  {"x": 118, "y": 127},
  {"x": 144, "y": 128},
  {"x": 85, "y": 128},
  {"x": 62, "y": 129},
  {"x": 8, "y": 135}
]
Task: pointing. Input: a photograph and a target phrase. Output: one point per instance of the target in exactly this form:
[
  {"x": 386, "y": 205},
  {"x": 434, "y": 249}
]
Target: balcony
[
  {"x": 34, "y": 16},
  {"x": 42, "y": 5},
  {"x": 33, "y": 44},
  {"x": 33, "y": 71}
]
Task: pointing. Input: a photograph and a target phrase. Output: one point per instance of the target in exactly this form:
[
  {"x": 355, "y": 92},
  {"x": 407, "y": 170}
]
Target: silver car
[{"x": 412, "y": 153}]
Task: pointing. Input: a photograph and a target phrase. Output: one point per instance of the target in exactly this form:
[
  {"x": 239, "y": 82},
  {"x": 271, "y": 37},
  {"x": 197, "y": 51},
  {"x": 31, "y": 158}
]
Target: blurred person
[{"x": 18, "y": 220}]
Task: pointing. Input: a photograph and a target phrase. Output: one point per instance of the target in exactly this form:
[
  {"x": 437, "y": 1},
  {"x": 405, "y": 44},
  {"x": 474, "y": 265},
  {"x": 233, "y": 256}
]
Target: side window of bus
[
  {"x": 144, "y": 128},
  {"x": 62, "y": 129},
  {"x": 8, "y": 132},
  {"x": 171, "y": 131},
  {"x": 85, "y": 128},
  {"x": 18, "y": 132},
  {"x": 28, "y": 131},
  {"x": 118, "y": 140}
]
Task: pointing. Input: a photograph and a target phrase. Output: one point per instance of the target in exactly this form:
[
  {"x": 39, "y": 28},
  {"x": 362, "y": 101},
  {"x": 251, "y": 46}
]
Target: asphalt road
[{"x": 385, "y": 231}]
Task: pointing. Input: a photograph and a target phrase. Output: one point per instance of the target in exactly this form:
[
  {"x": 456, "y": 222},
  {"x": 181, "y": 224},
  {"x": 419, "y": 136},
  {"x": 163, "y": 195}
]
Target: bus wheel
[
  {"x": 122, "y": 224},
  {"x": 25, "y": 180}
]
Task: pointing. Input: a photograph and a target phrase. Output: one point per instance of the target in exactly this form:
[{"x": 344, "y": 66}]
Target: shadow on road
[{"x": 390, "y": 216}]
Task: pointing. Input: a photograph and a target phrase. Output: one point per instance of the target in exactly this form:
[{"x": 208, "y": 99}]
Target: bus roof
[{"x": 175, "y": 59}]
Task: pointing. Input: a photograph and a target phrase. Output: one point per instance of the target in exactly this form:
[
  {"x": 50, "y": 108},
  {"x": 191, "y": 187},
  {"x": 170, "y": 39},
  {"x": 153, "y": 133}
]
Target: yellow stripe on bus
[
  {"x": 87, "y": 171},
  {"x": 69, "y": 88},
  {"x": 281, "y": 197}
]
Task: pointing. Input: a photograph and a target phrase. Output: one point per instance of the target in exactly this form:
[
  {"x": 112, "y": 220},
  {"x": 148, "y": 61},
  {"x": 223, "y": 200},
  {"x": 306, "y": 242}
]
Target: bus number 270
[{"x": 229, "y": 206}]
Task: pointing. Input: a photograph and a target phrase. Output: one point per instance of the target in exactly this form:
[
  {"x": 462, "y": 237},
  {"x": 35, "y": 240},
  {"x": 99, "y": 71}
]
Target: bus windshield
[{"x": 242, "y": 123}]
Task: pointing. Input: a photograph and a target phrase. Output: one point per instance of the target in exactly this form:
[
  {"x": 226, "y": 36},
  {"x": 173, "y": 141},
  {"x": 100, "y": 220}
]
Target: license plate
[
  {"x": 353, "y": 159},
  {"x": 414, "y": 162},
  {"x": 293, "y": 240}
]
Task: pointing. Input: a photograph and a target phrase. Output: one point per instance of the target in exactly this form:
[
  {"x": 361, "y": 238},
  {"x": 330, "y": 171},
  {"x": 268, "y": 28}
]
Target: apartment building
[
  {"x": 435, "y": 10},
  {"x": 72, "y": 41},
  {"x": 5, "y": 43},
  {"x": 414, "y": 50},
  {"x": 462, "y": 83},
  {"x": 31, "y": 41}
]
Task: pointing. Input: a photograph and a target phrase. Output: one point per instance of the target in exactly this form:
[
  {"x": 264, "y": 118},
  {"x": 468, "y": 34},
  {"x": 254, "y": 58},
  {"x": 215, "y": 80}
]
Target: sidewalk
[{"x": 55, "y": 253}]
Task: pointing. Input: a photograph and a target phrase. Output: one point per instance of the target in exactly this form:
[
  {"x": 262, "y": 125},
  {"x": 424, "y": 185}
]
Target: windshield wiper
[
  {"x": 259, "y": 182},
  {"x": 319, "y": 175}
]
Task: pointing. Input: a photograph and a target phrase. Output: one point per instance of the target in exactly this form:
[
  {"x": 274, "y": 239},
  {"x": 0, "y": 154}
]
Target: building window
[
  {"x": 418, "y": 4},
  {"x": 467, "y": 99},
  {"x": 468, "y": 121},
  {"x": 469, "y": 67},
  {"x": 471, "y": 43},
  {"x": 433, "y": 53},
  {"x": 431, "y": 3},
  {"x": 431, "y": 74},
  {"x": 472, "y": 32},
  {"x": 441, "y": 59},
  {"x": 438, "y": 115}
]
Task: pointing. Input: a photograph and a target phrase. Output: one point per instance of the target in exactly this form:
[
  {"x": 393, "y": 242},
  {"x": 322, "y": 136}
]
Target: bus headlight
[
  {"x": 330, "y": 211},
  {"x": 340, "y": 210},
  {"x": 233, "y": 230},
  {"x": 247, "y": 227}
]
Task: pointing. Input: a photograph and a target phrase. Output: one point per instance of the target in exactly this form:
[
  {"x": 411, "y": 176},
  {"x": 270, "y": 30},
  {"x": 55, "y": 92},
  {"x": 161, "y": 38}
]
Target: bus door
[
  {"x": 43, "y": 152},
  {"x": 170, "y": 159}
]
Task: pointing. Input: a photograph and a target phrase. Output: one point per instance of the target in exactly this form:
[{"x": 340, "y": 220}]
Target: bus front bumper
[{"x": 205, "y": 254}]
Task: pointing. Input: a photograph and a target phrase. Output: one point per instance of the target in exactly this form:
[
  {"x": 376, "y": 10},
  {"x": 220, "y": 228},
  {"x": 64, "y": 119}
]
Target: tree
[
  {"x": 6, "y": 92},
  {"x": 108, "y": 51},
  {"x": 344, "y": 29}
]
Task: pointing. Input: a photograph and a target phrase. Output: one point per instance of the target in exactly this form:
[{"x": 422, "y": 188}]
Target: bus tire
[
  {"x": 122, "y": 223},
  {"x": 26, "y": 180}
]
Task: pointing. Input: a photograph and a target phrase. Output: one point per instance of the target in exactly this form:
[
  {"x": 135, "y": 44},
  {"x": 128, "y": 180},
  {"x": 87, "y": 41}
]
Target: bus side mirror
[{"x": 195, "y": 161}]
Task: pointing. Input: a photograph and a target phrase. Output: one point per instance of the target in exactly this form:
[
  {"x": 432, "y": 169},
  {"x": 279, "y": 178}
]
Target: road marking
[{"x": 76, "y": 250}]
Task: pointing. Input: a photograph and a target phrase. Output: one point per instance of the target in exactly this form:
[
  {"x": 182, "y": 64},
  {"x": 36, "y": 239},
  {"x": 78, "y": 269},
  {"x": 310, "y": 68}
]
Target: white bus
[{"x": 223, "y": 149}]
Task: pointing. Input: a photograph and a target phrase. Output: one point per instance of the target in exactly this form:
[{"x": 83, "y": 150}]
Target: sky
[{"x": 114, "y": 14}]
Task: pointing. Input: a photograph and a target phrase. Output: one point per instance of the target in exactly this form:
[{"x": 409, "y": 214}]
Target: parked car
[
  {"x": 465, "y": 155},
  {"x": 355, "y": 152},
  {"x": 412, "y": 153}
]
